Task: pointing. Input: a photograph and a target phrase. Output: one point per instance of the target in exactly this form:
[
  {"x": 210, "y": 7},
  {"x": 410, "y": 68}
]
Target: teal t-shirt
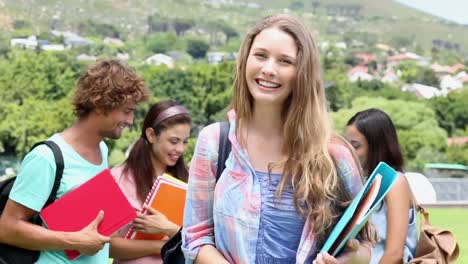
[{"x": 34, "y": 184}]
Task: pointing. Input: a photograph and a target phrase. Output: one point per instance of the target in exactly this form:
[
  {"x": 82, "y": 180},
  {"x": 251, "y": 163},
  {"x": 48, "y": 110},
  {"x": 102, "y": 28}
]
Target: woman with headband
[{"x": 159, "y": 150}]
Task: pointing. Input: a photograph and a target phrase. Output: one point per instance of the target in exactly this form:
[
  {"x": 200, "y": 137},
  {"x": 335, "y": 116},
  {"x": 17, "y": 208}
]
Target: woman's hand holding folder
[
  {"x": 353, "y": 253},
  {"x": 154, "y": 223}
]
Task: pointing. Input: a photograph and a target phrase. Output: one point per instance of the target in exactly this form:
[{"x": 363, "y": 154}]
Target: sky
[{"x": 453, "y": 10}]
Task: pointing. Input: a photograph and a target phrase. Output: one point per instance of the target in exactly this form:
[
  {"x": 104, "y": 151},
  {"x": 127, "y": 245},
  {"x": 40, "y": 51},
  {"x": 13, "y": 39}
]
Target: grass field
[{"x": 454, "y": 220}]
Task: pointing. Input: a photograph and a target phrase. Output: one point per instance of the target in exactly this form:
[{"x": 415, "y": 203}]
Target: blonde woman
[{"x": 286, "y": 179}]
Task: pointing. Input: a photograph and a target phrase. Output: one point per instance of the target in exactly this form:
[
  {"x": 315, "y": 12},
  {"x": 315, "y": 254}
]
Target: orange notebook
[
  {"x": 168, "y": 197},
  {"x": 77, "y": 208}
]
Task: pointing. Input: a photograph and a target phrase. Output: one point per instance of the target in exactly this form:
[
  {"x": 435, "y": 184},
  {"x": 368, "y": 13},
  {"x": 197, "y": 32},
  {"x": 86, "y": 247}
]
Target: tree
[
  {"x": 228, "y": 30},
  {"x": 182, "y": 24},
  {"x": 24, "y": 125},
  {"x": 451, "y": 111},
  {"x": 92, "y": 28},
  {"x": 457, "y": 154},
  {"x": 157, "y": 23},
  {"x": 338, "y": 90},
  {"x": 45, "y": 76},
  {"x": 197, "y": 48},
  {"x": 161, "y": 42},
  {"x": 296, "y": 5}
]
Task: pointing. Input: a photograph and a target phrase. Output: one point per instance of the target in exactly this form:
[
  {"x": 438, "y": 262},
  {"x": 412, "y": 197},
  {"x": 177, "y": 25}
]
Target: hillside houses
[
  {"x": 384, "y": 67},
  {"x": 32, "y": 42},
  {"x": 381, "y": 62}
]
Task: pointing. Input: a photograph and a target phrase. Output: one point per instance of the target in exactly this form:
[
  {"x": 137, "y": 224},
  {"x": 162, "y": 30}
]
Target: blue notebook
[{"x": 349, "y": 226}]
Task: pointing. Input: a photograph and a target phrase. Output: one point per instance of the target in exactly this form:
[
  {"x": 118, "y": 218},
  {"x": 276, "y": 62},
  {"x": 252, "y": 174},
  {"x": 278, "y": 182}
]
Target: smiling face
[
  {"x": 271, "y": 66},
  {"x": 169, "y": 146},
  {"x": 115, "y": 121},
  {"x": 359, "y": 143}
]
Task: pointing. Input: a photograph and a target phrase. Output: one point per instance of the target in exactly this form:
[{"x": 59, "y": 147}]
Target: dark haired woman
[
  {"x": 159, "y": 150},
  {"x": 372, "y": 133}
]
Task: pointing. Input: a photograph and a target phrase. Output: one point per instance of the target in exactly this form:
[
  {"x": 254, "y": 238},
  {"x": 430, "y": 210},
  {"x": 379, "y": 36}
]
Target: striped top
[{"x": 232, "y": 206}]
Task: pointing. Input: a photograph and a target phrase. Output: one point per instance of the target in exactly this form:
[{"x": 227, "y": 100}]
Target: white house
[
  {"x": 215, "y": 57},
  {"x": 53, "y": 47},
  {"x": 390, "y": 76},
  {"x": 24, "y": 43},
  {"x": 123, "y": 56},
  {"x": 86, "y": 57},
  {"x": 422, "y": 91},
  {"x": 113, "y": 41},
  {"x": 449, "y": 83},
  {"x": 159, "y": 58},
  {"x": 359, "y": 73},
  {"x": 71, "y": 39}
]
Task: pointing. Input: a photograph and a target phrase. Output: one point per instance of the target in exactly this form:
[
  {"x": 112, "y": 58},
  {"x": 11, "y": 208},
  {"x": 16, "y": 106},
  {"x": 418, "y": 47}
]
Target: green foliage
[
  {"x": 22, "y": 33},
  {"x": 423, "y": 156},
  {"x": 190, "y": 149},
  {"x": 413, "y": 73},
  {"x": 157, "y": 23},
  {"x": 227, "y": 29},
  {"x": 457, "y": 154},
  {"x": 365, "y": 37},
  {"x": 25, "y": 74},
  {"x": 333, "y": 59},
  {"x": 451, "y": 111},
  {"x": 296, "y": 5},
  {"x": 197, "y": 48},
  {"x": 116, "y": 157},
  {"x": 161, "y": 42},
  {"x": 21, "y": 24},
  {"x": 181, "y": 25},
  {"x": 402, "y": 41},
  {"x": 205, "y": 90},
  {"x": 340, "y": 92},
  {"x": 96, "y": 29},
  {"x": 33, "y": 121}
]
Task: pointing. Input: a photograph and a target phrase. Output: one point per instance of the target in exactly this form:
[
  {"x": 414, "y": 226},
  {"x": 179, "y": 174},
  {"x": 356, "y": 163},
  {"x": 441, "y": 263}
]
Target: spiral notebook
[
  {"x": 80, "y": 206},
  {"x": 168, "y": 197},
  {"x": 361, "y": 208}
]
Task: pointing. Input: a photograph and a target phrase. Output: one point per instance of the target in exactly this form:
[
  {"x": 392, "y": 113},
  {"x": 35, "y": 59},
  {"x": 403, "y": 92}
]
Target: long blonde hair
[{"x": 307, "y": 130}]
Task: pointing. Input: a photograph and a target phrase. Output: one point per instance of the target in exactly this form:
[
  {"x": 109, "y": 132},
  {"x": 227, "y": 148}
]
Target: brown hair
[
  {"x": 140, "y": 159},
  {"x": 307, "y": 129},
  {"x": 107, "y": 85},
  {"x": 382, "y": 139}
]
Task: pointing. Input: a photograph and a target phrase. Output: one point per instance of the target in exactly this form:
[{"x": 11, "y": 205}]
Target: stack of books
[{"x": 167, "y": 196}]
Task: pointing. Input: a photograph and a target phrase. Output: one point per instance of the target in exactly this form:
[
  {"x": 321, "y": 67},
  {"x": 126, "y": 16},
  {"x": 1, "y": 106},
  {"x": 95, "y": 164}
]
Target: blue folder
[{"x": 389, "y": 177}]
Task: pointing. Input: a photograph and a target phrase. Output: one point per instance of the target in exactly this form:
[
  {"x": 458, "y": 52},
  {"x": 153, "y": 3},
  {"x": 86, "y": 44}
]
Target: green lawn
[{"x": 454, "y": 219}]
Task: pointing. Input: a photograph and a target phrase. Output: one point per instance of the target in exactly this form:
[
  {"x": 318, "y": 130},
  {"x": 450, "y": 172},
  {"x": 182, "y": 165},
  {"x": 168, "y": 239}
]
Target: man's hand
[
  {"x": 154, "y": 223},
  {"x": 89, "y": 240}
]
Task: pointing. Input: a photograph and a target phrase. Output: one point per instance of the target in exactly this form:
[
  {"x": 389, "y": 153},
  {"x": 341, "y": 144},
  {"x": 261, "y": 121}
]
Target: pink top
[{"x": 127, "y": 184}]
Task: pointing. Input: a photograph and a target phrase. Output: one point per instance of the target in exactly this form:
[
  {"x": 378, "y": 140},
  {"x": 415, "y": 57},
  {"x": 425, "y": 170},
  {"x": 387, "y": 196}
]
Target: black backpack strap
[
  {"x": 224, "y": 148},
  {"x": 58, "y": 172}
]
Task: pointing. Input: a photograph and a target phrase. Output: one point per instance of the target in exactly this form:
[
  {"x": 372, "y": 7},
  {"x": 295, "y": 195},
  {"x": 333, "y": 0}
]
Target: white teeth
[{"x": 267, "y": 84}]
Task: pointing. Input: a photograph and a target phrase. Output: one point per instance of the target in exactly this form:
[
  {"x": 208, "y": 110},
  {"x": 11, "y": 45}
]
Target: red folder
[
  {"x": 77, "y": 208},
  {"x": 168, "y": 197}
]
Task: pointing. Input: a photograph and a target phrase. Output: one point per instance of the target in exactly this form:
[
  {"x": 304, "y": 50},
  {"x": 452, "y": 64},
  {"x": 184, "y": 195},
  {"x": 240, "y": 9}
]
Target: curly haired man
[{"x": 104, "y": 103}]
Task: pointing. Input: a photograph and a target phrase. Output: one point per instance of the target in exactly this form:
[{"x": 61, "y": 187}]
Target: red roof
[
  {"x": 358, "y": 69},
  {"x": 365, "y": 57},
  {"x": 457, "y": 141}
]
